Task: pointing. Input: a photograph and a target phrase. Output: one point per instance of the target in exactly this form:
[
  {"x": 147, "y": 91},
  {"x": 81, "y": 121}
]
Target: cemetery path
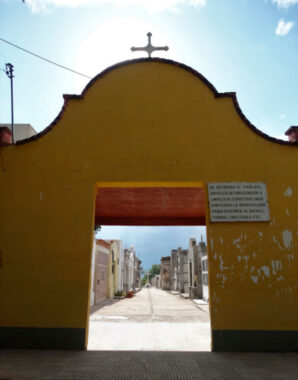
[
  {"x": 153, "y": 320},
  {"x": 147, "y": 327}
]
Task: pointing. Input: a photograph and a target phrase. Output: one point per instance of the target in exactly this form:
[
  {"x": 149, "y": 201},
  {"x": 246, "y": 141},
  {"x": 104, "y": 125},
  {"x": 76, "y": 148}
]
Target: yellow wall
[{"x": 146, "y": 121}]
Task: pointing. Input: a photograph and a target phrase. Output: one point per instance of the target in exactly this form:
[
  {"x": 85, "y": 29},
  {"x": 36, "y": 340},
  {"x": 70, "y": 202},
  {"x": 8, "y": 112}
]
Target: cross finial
[{"x": 149, "y": 48}]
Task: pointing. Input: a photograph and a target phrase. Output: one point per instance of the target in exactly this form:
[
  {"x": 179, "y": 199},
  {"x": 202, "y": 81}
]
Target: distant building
[
  {"x": 155, "y": 281},
  {"x": 204, "y": 260},
  {"x": 137, "y": 273},
  {"x": 113, "y": 267},
  {"x": 21, "y": 131},
  {"x": 120, "y": 285},
  {"x": 165, "y": 273},
  {"x": 128, "y": 272},
  {"x": 101, "y": 270},
  {"x": 292, "y": 134},
  {"x": 131, "y": 270},
  {"x": 194, "y": 270},
  {"x": 174, "y": 270},
  {"x": 183, "y": 265},
  {"x": 179, "y": 270},
  {"x": 93, "y": 255}
]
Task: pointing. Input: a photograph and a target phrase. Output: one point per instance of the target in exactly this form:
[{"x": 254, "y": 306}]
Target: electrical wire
[{"x": 45, "y": 59}]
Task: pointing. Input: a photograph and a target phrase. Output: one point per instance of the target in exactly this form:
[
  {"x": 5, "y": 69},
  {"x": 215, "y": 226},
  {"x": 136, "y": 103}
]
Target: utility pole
[{"x": 9, "y": 73}]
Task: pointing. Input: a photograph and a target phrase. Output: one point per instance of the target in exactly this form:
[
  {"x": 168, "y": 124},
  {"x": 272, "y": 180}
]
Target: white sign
[{"x": 238, "y": 202}]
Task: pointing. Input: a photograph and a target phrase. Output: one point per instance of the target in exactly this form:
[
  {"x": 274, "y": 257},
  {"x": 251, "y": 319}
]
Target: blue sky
[
  {"x": 247, "y": 46},
  {"x": 153, "y": 242}
]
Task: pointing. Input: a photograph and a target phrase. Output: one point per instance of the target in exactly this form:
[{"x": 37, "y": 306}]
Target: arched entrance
[{"x": 146, "y": 121}]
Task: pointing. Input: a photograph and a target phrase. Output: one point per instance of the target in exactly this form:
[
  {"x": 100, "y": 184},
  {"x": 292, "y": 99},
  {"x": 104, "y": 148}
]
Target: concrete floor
[
  {"x": 154, "y": 309},
  {"x": 153, "y": 320}
]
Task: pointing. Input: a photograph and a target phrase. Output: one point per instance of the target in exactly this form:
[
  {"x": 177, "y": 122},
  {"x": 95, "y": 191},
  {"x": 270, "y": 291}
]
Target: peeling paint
[
  {"x": 278, "y": 265},
  {"x": 211, "y": 244},
  {"x": 215, "y": 256},
  {"x": 252, "y": 269},
  {"x": 221, "y": 262},
  {"x": 280, "y": 278},
  {"x": 224, "y": 278},
  {"x": 239, "y": 258},
  {"x": 273, "y": 222},
  {"x": 287, "y": 212},
  {"x": 254, "y": 255},
  {"x": 254, "y": 279},
  {"x": 261, "y": 233},
  {"x": 221, "y": 240},
  {"x": 291, "y": 257},
  {"x": 273, "y": 267},
  {"x": 236, "y": 241},
  {"x": 40, "y": 195},
  {"x": 288, "y": 192},
  {"x": 287, "y": 238},
  {"x": 277, "y": 242},
  {"x": 266, "y": 271}
]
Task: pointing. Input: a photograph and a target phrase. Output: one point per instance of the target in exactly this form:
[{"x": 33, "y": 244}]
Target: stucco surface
[{"x": 156, "y": 122}]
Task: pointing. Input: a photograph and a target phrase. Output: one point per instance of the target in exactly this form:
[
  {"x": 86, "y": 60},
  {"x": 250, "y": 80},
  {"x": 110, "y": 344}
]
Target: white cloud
[
  {"x": 282, "y": 116},
  {"x": 149, "y": 5},
  {"x": 285, "y": 3},
  {"x": 283, "y": 27}
]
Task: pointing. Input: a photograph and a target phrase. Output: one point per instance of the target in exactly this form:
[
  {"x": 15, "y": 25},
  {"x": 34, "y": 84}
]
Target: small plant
[{"x": 120, "y": 293}]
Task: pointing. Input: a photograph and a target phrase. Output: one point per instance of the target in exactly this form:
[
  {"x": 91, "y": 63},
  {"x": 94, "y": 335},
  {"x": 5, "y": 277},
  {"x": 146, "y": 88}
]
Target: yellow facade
[
  {"x": 113, "y": 269},
  {"x": 146, "y": 121}
]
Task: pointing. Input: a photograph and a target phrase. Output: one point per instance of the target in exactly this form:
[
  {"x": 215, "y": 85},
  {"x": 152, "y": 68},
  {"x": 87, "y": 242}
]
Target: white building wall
[
  {"x": 121, "y": 267},
  {"x": 93, "y": 254},
  {"x": 205, "y": 278},
  {"x": 131, "y": 269},
  {"x": 21, "y": 131}
]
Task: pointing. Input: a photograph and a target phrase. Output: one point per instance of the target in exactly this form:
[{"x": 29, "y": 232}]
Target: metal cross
[{"x": 149, "y": 48}]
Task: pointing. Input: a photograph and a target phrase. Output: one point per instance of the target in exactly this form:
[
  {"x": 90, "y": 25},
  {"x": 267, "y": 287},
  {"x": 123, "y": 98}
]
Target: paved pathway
[
  {"x": 152, "y": 320},
  {"x": 155, "y": 311}
]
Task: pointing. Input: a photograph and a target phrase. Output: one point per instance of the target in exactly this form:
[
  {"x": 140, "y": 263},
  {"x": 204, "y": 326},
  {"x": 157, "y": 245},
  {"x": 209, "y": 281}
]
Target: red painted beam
[{"x": 148, "y": 221}]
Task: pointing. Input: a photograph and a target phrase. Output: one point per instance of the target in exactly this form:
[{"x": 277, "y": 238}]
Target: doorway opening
[{"x": 152, "y": 249}]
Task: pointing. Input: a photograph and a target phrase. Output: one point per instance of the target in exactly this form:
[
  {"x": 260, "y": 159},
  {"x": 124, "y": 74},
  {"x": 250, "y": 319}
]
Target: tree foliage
[
  {"x": 155, "y": 269},
  {"x": 97, "y": 228}
]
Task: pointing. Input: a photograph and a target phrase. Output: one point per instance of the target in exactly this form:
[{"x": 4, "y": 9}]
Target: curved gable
[{"x": 118, "y": 66}]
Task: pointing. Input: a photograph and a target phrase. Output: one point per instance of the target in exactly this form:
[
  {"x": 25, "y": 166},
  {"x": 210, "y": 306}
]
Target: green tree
[{"x": 155, "y": 269}]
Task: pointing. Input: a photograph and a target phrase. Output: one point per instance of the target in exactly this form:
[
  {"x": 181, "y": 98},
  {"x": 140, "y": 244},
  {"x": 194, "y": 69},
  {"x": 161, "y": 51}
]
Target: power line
[{"x": 45, "y": 59}]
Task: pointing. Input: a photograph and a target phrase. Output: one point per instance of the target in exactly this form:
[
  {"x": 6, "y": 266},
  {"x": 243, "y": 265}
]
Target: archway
[{"x": 145, "y": 121}]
